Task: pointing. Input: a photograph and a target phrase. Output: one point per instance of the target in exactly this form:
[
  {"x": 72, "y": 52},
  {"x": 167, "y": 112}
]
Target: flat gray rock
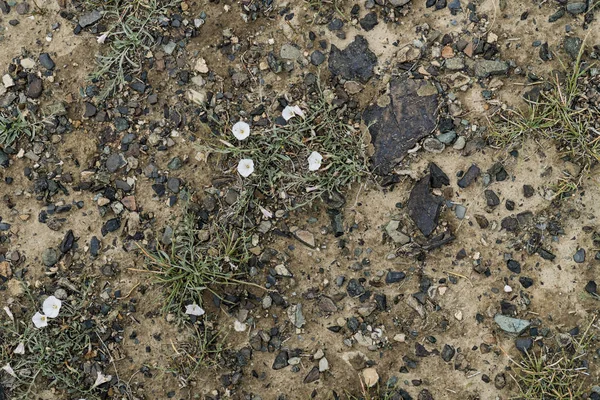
[
  {"x": 90, "y": 18},
  {"x": 424, "y": 207},
  {"x": 511, "y": 325},
  {"x": 396, "y": 128}
]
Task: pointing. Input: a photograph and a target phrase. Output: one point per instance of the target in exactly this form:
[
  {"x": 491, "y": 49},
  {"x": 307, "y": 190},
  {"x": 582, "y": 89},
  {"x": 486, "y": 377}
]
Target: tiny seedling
[{"x": 14, "y": 128}]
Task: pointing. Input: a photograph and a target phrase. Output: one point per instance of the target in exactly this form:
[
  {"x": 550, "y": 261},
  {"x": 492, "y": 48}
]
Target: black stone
[
  {"x": 469, "y": 177},
  {"x": 528, "y": 191},
  {"x": 110, "y": 226},
  {"x": 491, "y": 198},
  {"x": 369, "y": 21},
  {"x": 421, "y": 351},
  {"x": 591, "y": 287},
  {"x": 89, "y": 110},
  {"x": 317, "y": 58},
  {"x": 355, "y": 62},
  {"x": 424, "y": 207},
  {"x": 312, "y": 376},
  {"x": 67, "y": 242},
  {"x": 514, "y": 266},
  {"x": 524, "y": 344},
  {"x": 46, "y": 61},
  {"x": 355, "y": 288},
  {"x": 448, "y": 353},
  {"x": 510, "y": 224},
  {"x": 394, "y": 276},
  {"x": 438, "y": 177},
  {"x": 525, "y": 282},
  {"x": 579, "y": 256},
  {"x": 281, "y": 360},
  {"x": 95, "y": 246}
]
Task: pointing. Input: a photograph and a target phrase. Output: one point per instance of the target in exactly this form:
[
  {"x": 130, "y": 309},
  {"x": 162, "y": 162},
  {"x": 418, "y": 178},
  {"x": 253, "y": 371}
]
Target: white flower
[
  {"x": 51, "y": 307},
  {"x": 245, "y": 167},
  {"x": 291, "y": 111},
  {"x": 39, "y": 320},
  {"x": 241, "y": 130},
  {"x": 20, "y": 349},
  {"x": 314, "y": 161},
  {"x": 9, "y": 370},
  {"x": 101, "y": 379},
  {"x": 102, "y": 38},
  {"x": 194, "y": 309}
]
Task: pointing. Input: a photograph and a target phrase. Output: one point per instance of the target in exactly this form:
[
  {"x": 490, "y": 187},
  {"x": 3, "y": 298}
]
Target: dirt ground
[{"x": 464, "y": 302}]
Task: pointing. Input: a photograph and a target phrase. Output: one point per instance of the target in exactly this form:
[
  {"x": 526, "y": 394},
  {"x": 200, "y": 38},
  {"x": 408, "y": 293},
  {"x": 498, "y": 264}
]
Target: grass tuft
[
  {"x": 14, "y": 128},
  {"x": 194, "y": 263},
  {"x": 559, "y": 374},
  {"x": 129, "y": 37},
  {"x": 563, "y": 114}
]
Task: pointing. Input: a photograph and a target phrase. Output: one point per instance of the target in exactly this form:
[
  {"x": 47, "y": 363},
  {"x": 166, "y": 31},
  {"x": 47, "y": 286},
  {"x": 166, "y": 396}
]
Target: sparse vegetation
[
  {"x": 555, "y": 373},
  {"x": 563, "y": 114},
  {"x": 52, "y": 356},
  {"x": 280, "y": 154},
  {"x": 196, "y": 261},
  {"x": 13, "y": 128},
  {"x": 129, "y": 37}
]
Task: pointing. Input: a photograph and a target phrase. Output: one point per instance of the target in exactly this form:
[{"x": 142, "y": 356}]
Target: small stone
[
  {"x": 491, "y": 198},
  {"x": 460, "y": 143},
  {"x": 110, "y": 226},
  {"x": 50, "y": 257},
  {"x": 437, "y": 176},
  {"x": 114, "y": 162},
  {"x": 511, "y": 325},
  {"x": 482, "y": 221},
  {"x": 573, "y": 46},
  {"x": 90, "y": 18},
  {"x": 312, "y": 376},
  {"x": 7, "y": 81},
  {"x": 89, "y": 110},
  {"x": 448, "y": 353},
  {"x": 397, "y": 237},
  {"x": 317, "y": 58},
  {"x": 323, "y": 365},
  {"x": 525, "y": 282},
  {"x": 34, "y": 86},
  {"x": 369, "y": 21},
  {"x": 290, "y": 52},
  {"x": 22, "y": 8},
  {"x": 306, "y": 238},
  {"x": 577, "y": 6},
  {"x": 460, "y": 211},
  {"x": 591, "y": 287},
  {"x": 433, "y": 145},
  {"x": 514, "y": 266},
  {"x": 485, "y": 68},
  {"x": 46, "y": 61},
  {"x": 354, "y": 288},
  {"x": 528, "y": 191},
  {"x": 281, "y": 360},
  {"x": 469, "y": 177},
  {"x": 524, "y": 344},
  {"x": 394, "y": 277},
  {"x": 579, "y": 256},
  {"x": 370, "y": 377}
]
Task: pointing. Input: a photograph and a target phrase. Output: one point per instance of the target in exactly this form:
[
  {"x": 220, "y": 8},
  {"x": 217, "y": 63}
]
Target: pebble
[
  {"x": 460, "y": 211},
  {"x": 46, "y": 61},
  {"x": 90, "y": 18},
  {"x": 469, "y": 177},
  {"x": 394, "y": 276},
  {"x": 370, "y": 377},
  {"x": 317, "y": 58},
  {"x": 306, "y": 238},
  {"x": 323, "y": 364},
  {"x": 49, "y": 257},
  {"x": 433, "y": 145},
  {"x": 22, "y": 8},
  {"x": 579, "y": 256},
  {"x": 511, "y": 325}
]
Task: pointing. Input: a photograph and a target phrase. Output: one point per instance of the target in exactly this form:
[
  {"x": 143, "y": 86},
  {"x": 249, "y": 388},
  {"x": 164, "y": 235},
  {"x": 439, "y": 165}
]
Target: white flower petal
[
  {"x": 100, "y": 379},
  {"x": 298, "y": 111},
  {"x": 288, "y": 113},
  {"x": 51, "y": 307},
  {"x": 9, "y": 313},
  {"x": 314, "y": 161},
  {"x": 39, "y": 320},
  {"x": 102, "y": 38},
  {"x": 194, "y": 309},
  {"x": 20, "y": 349},
  {"x": 9, "y": 370},
  {"x": 245, "y": 167},
  {"x": 241, "y": 130}
]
